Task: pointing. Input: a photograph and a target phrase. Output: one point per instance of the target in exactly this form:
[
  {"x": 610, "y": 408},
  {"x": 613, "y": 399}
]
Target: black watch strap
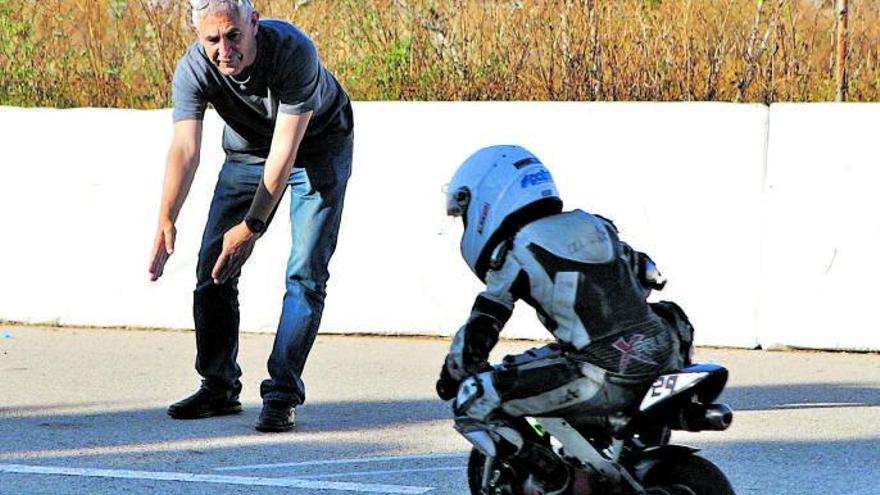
[{"x": 255, "y": 225}]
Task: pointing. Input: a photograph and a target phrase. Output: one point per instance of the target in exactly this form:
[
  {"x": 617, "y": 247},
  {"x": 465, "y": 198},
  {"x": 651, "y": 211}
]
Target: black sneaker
[
  {"x": 276, "y": 417},
  {"x": 204, "y": 404}
]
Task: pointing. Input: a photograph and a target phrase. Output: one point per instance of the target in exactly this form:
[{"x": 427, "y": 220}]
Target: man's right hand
[{"x": 163, "y": 246}]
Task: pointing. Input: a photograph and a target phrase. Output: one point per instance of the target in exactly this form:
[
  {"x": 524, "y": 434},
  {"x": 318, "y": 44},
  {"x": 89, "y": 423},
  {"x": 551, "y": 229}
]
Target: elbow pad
[
  {"x": 644, "y": 268},
  {"x": 649, "y": 275}
]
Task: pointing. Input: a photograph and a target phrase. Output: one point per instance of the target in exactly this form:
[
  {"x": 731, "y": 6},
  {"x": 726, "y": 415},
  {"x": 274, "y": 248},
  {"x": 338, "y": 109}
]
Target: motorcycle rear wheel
[{"x": 699, "y": 475}]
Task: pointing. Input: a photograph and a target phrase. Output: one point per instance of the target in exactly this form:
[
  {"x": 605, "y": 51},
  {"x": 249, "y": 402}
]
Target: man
[
  {"x": 589, "y": 290},
  {"x": 288, "y": 122}
]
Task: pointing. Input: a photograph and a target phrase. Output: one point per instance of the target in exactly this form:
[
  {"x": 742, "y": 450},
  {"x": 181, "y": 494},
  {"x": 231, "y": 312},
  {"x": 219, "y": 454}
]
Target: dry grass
[{"x": 119, "y": 53}]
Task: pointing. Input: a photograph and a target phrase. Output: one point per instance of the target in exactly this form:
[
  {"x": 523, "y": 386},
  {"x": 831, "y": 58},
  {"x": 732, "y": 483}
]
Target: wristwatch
[{"x": 255, "y": 225}]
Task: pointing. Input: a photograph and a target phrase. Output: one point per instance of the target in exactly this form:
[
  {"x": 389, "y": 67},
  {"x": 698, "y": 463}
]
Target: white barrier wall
[
  {"x": 684, "y": 182},
  {"x": 80, "y": 195},
  {"x": 822, "y": 228},
  {"x": 676, "y": 178}
]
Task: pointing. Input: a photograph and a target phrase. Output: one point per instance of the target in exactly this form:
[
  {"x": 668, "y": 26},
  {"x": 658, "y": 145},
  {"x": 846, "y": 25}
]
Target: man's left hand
[{"x": 238, "y": 243}]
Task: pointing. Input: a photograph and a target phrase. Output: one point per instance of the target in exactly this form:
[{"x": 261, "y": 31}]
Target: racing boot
[
  {"x": 575, "y": 482},
  {"x": 535, "y": 486}
]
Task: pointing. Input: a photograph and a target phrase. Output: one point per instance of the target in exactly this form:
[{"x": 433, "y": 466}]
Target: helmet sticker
[
  {"x": 484, "y": 214},
  {"x": 540, "y": 177}
]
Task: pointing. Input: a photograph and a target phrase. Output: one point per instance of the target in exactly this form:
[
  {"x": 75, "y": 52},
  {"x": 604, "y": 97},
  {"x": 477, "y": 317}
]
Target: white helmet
[{"x": 496, "y": 191}]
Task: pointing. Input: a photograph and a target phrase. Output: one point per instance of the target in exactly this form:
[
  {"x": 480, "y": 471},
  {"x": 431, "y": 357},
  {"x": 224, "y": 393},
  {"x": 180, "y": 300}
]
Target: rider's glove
[
  {"x": 447, "y": 386},
  {"x": 649, "y": 275}
]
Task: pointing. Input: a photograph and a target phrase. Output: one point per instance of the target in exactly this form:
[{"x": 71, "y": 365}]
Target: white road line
[
  {"x": 806, "y": 405},
  {"x": 214, "y": 478},
  {"x": 341, "y": 461},
  {"x": 461, "y": 468}
]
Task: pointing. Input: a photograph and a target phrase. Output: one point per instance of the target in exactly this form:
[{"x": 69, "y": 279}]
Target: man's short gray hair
[{"x": 201, "y": 8}]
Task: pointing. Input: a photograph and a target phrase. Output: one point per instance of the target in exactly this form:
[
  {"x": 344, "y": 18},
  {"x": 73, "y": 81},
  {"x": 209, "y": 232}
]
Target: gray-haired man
[{"x": 288, "y": 122}]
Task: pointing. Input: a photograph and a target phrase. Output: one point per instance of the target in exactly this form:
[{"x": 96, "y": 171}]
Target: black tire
[
  {"x": 475, "y": 476},
  {"x": 691, "y": 471}
]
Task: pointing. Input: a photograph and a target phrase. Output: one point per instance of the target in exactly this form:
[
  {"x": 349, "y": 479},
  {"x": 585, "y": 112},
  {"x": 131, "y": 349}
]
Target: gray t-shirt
[{"x": 287, "y": 76}]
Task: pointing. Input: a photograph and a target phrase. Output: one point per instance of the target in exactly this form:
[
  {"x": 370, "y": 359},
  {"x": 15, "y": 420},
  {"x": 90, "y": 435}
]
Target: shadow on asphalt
[
  {"x": 325, "y": 429},
  {"x": 801, "y": 396},
  {"x": 796, "y": 467},
  {"x": 30, "y": 433}
]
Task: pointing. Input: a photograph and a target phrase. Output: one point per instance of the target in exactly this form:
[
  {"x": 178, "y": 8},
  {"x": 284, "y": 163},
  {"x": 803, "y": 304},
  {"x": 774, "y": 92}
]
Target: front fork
[
  {"x": 491, "y": 475},
  {"x": 475, "y": 432}
]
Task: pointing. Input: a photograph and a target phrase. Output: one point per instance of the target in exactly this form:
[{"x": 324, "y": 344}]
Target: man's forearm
[
  {"x": 288, "y": 134},
  {"x": 180, "y": 167},
  {"x": 270, "y": 188},
  {"x": 180, "y": 171}
]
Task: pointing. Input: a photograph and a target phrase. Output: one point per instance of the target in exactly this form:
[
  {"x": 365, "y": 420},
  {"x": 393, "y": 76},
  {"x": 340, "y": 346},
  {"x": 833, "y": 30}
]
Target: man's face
[{"x": 229, "y": 40}]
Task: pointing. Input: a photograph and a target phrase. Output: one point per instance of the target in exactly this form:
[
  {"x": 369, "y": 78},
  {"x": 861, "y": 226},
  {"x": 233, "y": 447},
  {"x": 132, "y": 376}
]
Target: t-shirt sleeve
[
  {"x": 300, "y": 81},
  {"x": 187, "y": 95}
]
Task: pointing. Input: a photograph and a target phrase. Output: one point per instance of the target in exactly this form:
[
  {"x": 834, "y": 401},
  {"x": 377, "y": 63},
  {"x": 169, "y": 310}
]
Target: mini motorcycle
[{"x": 620, "y": 454}]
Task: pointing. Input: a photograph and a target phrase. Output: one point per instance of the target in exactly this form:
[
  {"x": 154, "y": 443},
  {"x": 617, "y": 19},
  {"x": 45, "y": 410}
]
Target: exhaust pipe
[{"x": 697, "y": 417}]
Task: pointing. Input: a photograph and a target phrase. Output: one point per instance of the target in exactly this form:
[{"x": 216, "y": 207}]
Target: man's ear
[{"x": 255, "y": 21}]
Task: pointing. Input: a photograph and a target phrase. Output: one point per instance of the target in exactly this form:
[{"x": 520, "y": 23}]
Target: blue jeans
[{"x": 317, "y": 186}]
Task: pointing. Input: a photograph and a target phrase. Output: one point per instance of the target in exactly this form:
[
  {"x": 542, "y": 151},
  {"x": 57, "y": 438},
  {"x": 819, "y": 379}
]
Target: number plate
[{"x": 668, "y": 385}]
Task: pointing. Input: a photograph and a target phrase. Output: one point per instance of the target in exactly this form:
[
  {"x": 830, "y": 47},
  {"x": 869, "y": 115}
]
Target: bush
[{"x": 117, "y": 53}]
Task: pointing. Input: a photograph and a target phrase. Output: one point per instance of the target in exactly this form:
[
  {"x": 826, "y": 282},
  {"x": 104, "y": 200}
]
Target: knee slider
[{"x": 477, "y": 397}]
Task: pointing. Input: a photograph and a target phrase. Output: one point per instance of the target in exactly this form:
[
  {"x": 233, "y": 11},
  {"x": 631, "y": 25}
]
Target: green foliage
[
  {"x": 395, "y": 69},
  {"x": 16, "y": 52}
]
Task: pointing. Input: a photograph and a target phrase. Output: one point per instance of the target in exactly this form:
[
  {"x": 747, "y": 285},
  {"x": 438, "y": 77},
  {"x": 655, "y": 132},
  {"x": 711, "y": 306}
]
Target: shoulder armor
[
  {"x": 576, "y": 236},
  {"x": 608, "y": 221}
]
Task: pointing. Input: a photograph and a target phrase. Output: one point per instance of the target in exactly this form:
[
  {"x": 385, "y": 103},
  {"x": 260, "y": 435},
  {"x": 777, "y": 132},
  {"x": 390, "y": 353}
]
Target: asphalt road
[{"x": 83, "y": 411}]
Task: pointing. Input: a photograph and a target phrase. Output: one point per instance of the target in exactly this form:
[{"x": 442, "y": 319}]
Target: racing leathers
[{"x": 589, "y": 290}]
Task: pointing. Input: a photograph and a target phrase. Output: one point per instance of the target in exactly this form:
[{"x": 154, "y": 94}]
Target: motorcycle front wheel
[
  {"x": 692, "y": 472},
  {"x": 502, "y": 478}
]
